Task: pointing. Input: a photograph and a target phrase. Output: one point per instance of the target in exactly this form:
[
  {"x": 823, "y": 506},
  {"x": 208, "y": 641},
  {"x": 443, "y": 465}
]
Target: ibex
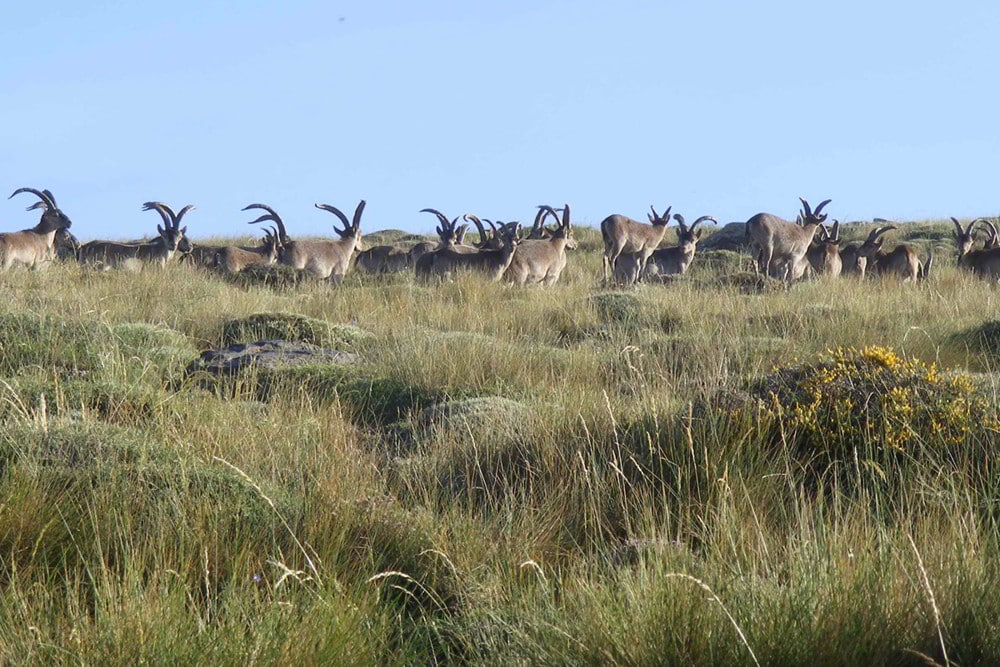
[
  {"x": 34, "y": 247},
  {"x": 625, "y": 235},
  {"x": 171, "y": 239},
  {"x": 321, "y": 257},
  {"x": 542, "y": 261},
  {"x": 491, "y": 262},
  {"x": 383, "y": 259},
  {"x": 233, "y": 259},
  {"x": 782, "y": 245},
  {"x": 984, "y": 262},
  {"x": 902, "y": 261},
  {"x": 824, "y": 253},
  {"x": 994, "y": 240},
  {"x": 675, "y": 260},
  {"x": 448, "y": 239}
]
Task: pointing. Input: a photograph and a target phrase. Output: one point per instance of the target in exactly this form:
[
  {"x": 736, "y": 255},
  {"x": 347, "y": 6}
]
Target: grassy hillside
[{"x": 681, "y": 474}]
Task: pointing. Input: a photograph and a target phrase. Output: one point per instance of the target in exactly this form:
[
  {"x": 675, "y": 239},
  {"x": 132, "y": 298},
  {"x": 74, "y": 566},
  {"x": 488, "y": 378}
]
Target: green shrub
[{"x": 286, "y": 326}]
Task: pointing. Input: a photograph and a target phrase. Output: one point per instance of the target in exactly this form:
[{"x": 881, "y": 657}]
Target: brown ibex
[
  {"x": 901, "y": 261},
  {"x": 34, "y": 247},
  {"x": 542, "y": 260},
  {"x": 824, "y": 253},
  {"x": 622, "y": 234},
  {"x": 233, "y": 259},
  {"x": 984, "y": 262},
  {"x": 491, "y": 262},
  {"x": 171, "y": 239},
  {"x": 782, "y": 245},
  {"x": 675, "y": 260},
  {"x": 322, "y": 258}
]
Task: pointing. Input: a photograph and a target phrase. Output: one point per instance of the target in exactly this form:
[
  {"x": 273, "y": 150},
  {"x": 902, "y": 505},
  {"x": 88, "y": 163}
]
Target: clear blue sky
[{"x": 721, "y": 108}]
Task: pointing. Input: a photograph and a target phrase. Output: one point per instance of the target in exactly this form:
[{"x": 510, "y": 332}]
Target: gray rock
[
  {"x": 269, "y": 354},
  {"x": 731, "y": 237}
]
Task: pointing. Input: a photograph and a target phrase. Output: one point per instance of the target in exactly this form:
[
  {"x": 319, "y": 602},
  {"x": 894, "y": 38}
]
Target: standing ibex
[
  {"x": 491, "y": 262},
  {"x": 171, "y": 239},
  {"x": 782, "y": 245},
  {"x": 34, "y": 247},
  {"x": 321, "y": 257},
  {"x": 542, "y": 260},
  {"x": 984, "y": 262},
  {"x": 824, "y": 253},
  {"x": 622, "y": 234},
  {"x": 902, "y": 261}
]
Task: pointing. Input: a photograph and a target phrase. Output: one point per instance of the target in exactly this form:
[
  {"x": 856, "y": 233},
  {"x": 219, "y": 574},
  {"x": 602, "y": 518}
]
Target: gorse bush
[{"x": 872, "y": 398}]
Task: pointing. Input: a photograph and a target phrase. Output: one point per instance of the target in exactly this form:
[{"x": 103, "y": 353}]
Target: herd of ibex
[{"x": 783, "y": 249}]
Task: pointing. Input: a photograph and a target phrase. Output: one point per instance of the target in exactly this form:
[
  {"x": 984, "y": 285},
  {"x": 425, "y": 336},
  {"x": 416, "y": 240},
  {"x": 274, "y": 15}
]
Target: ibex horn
[
  {"x": 440, "y": 216},
  {"x": 336, "y": 211},
  {"x": 38, "y": 193},
  {"x": 272, "y": 215},
  {"x": 704, "y": 218}
]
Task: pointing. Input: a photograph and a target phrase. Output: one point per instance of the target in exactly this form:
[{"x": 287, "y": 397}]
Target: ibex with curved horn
[
  {"x": 675, "y": 260},
  {"x": 782, "y": 245},
  {"x": 824, "y": 253},
  {"x": 901, "y": 261},
  {"x": 984, "y": 262},
  {"x": 491, "y": 262},
  {"x": 450, "y": 238},
  {"x": 171, "y": 239},
  {"x": 623, "y": 235},
  {"x": 543, "y": 260},
  {"x": 233, "y": 259},
  {"x": 320, "y": 257},
  {"x": 34, "y": 247}
]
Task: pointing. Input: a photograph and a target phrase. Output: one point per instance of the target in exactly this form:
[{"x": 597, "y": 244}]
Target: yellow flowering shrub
[{"x": 872, "y": 397}]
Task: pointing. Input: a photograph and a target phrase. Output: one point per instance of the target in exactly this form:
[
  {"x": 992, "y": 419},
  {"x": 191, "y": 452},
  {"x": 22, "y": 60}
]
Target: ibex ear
[{"x": 184, "y": 229}]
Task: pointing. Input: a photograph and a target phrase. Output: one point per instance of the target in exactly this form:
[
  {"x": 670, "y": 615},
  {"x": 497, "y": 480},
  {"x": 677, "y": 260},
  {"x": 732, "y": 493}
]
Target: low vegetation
[{"x": 715, "y": 470}]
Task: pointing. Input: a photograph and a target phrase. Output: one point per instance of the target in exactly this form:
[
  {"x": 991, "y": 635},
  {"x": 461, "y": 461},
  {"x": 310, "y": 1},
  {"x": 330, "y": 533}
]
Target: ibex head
[
  {"x": 873, "y": 243},
  {"x": 352, "y": 229},
  {"x": 52, "y": 219},
  {"x": 811, "y": 217},
  {"x": 174, "y": 236},
  {"x": 445, "y": 230},
  {"x": 830, "y": 236},
  {"x": 564, "y": 230},
  {"x": 687, "y": 237},
  {"x": 964, "y": 238},
  {"x": 656, "y": 219}
]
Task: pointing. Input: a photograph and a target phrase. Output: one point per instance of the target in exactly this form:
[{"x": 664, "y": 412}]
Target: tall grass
[{"x": 542, "y": 476}]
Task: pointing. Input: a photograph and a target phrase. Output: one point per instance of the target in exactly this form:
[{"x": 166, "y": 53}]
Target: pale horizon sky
[{"x": 715, "y": 108}]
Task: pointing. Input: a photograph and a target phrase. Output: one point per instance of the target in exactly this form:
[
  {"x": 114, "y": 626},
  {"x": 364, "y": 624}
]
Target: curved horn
[
  {"x": 968, "y": 230},
  {"x": 38, "y": 204},
  {"x": 877, "y": 232},
  {"x": 656, "y": 216},
  {"x": 181, "y": 213},
  {"x": 680, "y": 223},
  {"x": 272, "y": 215},
  {"x": 162, "y": 210},
  {"x": 820, "y": 207},
  {"x": 835, "y": 234},
  {"x": 546, "y": 210},
  {"x": 958, "y": 226},
  {"x": 440, "y": 216},
  {"x": 336, "y": 211},
  {"x": 704, "y": 218},
  {"x": 539, "y": 218},
  {"x": 356, "y": 220},
  {"x": 479, "y": 225},
  {"x": 38, "y": 193},
  {"x": 994, "y": 236},
  {"x": 566, "y": 219},
  {"x": 805, "y": 207}
]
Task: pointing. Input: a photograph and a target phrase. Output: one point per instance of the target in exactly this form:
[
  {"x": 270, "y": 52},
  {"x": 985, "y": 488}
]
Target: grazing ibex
[
  {"x": 383, "y": 259},
  {"x": 782, "y": 245},
  {"x": 321, "y": 257},
  {"x": 171, "y": 240},
  {"x": 542, "y": 260},
  {"x": 34, "y": 247},
  {"x": 902, "y": 261},
  {"x": 984, "y": 262},
  {"x": 233, "y": 259},
  {"x": 622, "y": 234},
  {"x": 824, "y": 253},
  {"x": 675, "y": 260}
]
